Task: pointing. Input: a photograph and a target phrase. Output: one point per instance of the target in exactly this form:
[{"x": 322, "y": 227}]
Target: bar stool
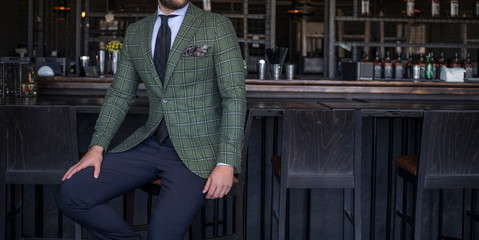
[
  {"x": 33, "y": 162},
  {"x": 320, "y": 149},
  {"x": 197, "y": 230},
  {"x": 448, "y": 159}
]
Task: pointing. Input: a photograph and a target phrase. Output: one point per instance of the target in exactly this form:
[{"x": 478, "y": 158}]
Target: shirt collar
[{"x": 178, "y": 12}]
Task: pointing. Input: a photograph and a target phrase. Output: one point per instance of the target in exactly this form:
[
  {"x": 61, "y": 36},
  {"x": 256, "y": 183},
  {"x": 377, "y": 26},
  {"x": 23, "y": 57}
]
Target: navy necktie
[{"x": 162, "y": 50}]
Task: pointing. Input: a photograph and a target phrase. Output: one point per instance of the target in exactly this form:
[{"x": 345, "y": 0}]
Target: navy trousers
[{"x": 84, "y": 198}]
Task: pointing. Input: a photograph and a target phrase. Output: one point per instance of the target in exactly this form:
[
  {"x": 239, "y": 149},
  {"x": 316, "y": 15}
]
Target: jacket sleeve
[
  {"x": 230, "y": 78},
  {"x": 117, "y": 101}
]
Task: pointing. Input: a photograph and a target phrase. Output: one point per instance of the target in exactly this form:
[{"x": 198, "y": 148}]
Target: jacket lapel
[
  {"x": 146, "y": 45},
  {"x": 183, "y": 38}
]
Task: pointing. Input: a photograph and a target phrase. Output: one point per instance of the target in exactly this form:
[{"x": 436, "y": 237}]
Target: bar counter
[
  {"x": 392, "y": 116},
  {"x": 315, "y": 89}
]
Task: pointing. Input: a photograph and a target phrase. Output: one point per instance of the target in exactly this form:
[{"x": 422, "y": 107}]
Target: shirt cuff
[{"x": 223, "y": 164}]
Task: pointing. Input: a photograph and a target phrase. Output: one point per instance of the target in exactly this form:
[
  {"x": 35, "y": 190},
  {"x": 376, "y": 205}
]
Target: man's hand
[
  {"x": 219, "y": 182},
  {"x": 92, "y": 158}
]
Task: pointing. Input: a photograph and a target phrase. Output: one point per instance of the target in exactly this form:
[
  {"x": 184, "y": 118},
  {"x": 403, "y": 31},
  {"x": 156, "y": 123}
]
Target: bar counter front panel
[{"x": 391, "y": 127}]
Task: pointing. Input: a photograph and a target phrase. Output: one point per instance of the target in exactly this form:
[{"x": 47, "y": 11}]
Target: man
[{"x": 192, "y": 68}]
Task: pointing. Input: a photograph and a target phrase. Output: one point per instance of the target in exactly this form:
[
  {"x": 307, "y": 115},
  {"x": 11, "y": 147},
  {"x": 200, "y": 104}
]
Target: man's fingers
[
  {"x": 96, "y": 171},
  {"x": 67, "y": 173},
  {"x": 92, "y": 158},
  {"x": 72, "y": 172},
  {"x": 212, "y": 192},
  {"x": 222, "y": 193},
  {"x": 218, "y": 192},
  {"x": 207, "y": 186},
  {"x": 76, "y": 168}
]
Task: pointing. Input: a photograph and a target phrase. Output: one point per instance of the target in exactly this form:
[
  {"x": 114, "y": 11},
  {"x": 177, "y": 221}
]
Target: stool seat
[
  {"x": 276, "y": 162},
  {"x": 408, "y": 163}
]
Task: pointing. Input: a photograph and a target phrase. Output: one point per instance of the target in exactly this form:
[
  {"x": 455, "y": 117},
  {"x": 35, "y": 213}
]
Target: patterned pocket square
[{"x": 194, "y": 51}]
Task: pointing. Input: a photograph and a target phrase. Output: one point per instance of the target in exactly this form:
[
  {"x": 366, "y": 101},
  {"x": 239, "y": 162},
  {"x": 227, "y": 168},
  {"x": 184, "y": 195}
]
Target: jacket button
[{"x": 165, "y": 100}]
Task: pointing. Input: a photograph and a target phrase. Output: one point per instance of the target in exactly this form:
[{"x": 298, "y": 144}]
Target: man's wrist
[{"x": 96, "y": 148}]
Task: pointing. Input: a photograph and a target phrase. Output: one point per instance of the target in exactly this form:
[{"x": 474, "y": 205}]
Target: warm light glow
[
  {"x": 61, "y": 8},
  {"x": 83, "y": 14},
  {"x": 295, "y": 11}
]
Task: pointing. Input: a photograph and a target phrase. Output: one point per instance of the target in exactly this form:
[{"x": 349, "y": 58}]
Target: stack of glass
[{"x": 18, "y": 79}]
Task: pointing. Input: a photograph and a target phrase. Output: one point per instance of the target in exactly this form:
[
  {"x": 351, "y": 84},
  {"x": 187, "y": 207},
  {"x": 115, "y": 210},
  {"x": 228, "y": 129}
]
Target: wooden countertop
[{"x": 292, "y": 88}]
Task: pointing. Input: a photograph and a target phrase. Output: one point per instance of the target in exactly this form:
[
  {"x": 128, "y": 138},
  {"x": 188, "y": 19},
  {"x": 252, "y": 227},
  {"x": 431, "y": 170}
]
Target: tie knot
[{"x": 164, "y": 18}]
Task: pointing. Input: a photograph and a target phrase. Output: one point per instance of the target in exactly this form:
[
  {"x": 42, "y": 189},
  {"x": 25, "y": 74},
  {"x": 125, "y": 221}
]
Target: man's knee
[{"x": 71, "y": 197}]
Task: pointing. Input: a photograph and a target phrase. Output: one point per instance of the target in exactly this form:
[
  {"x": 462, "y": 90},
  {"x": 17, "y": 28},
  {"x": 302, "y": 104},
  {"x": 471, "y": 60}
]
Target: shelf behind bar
[
  {"x": 392, "y": 44},
  {"x": 120, "y": 14},
  {"x": 248, "y": 16},
  {"x": 406, "y": 19}
]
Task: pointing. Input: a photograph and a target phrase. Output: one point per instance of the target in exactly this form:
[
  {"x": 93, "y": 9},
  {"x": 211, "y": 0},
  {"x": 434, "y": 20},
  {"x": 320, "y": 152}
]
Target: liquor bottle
[
  {"x": 398, "y": 68},
  {"x": 365, "y": 8},
  {"x": 475, "y": 8},
  {"x": 366, "y": 57},
  {"x": 422, "y": 66},
  {"x": 410, "y": 7},
  {"x": 409, "y": 67},
  {"x": 433, "y": 62},
  {"x": 441, "y": 62},
  {"x": 453, "y": 8},
  {"x": 455, "y": 61},
  {"x": 468, "y": 66},
  {"x": 429, "y": 70},
  {"x": 435, "y": 8},
  {"x": 388, "y": 67},
  {"x": 377, "y": 67}
]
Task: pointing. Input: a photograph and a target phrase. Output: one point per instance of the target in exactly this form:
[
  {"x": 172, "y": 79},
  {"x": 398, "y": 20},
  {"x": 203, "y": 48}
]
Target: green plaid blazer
[{"x": 202, "y": 99}]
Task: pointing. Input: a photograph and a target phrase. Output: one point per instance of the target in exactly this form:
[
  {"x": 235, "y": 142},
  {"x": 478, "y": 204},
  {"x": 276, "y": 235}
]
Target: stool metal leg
[
  {"x": 282, "y": 212},
  {"x": 78, "y": 232},
  {"x": 417, "y": 212},
  {"x": 441, "y": 207},
  {"x": 466, "y": 220}
]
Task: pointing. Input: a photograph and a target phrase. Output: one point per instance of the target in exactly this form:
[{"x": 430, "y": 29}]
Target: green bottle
[{"x": 429, "y": 68}]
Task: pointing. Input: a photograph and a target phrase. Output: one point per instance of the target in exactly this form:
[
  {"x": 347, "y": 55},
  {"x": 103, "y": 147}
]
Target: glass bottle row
[
  {"x": 435, "y": 6},
  {"x": 424, "y": 68}
]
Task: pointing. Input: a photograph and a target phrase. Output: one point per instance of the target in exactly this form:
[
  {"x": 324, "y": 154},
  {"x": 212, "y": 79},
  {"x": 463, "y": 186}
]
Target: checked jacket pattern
[{"x": 202, "y": 99}]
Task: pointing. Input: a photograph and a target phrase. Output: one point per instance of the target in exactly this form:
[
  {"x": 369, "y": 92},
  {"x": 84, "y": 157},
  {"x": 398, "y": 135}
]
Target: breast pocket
[
  {"x": 194, "y": 70},
  {"x": 194, "y": 63}
]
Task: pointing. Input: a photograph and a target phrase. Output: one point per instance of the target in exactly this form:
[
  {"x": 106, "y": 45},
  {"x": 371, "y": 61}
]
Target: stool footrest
[
  {"x": 349, "y": 216},
  {"x": 407, "y": 218}
]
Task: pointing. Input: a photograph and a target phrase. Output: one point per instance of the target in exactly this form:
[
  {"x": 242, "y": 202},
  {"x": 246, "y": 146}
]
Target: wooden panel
[
  {"x": 40, "y": 139},
  {"x": 320, "y": 142},
  {"x": 86, "y": 125},
  {"x": 453, "y": 143}
]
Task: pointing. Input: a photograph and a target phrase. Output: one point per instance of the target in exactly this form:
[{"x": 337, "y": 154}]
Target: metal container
[
  {"x": 416, "y": 72},
  {"x": 261, "y": 69},
  {"x": 101, "y": 61},
  {"x": 84, "y": 62},
  {"x": 276, "y": 71},
  {"x": 290, "y": 69}
]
